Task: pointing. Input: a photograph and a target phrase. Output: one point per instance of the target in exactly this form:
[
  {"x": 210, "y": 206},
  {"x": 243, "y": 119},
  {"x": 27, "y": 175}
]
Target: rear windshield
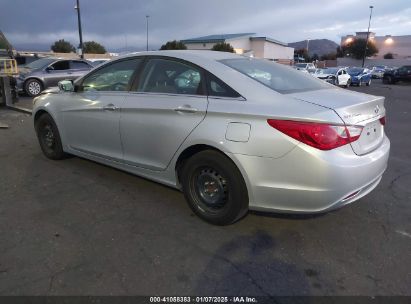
[{"x": 280, "y": 78}]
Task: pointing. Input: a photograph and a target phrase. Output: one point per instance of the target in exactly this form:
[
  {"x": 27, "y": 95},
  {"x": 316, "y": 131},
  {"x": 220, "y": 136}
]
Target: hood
[
  {"x": 51, "y": 90},
  {"x": 323, "y": 75}
]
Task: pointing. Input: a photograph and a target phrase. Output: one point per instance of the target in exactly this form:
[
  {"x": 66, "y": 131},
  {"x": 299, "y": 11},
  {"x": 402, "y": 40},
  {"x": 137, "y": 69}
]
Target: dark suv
[{"x": 401, "y": 74}]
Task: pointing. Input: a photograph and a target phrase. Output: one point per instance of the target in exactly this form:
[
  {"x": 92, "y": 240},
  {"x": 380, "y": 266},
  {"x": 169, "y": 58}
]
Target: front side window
[
  {"x": 279, "y": 78},
  {"x": 169, "y": 76},
  {"x": 114, "y": 77}
]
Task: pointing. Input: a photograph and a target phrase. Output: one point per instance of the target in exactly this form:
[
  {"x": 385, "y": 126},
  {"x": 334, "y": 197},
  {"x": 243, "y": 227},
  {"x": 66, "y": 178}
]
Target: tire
[
  {"x": 348, "y": 83},
  {"x": 214, "y": 188},
  {"x": 33, "y": 87},
  {"x": 368, "y": 83},
  {"x": 49, "y": 137}
]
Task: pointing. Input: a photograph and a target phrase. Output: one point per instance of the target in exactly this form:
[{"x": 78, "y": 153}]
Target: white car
[
  {"x": 308, "y": 67},
  {"x": 336, "y": 76}
]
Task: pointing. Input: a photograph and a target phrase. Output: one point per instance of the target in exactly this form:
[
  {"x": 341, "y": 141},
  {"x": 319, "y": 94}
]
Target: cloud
[{"x": 121, "y": 23}]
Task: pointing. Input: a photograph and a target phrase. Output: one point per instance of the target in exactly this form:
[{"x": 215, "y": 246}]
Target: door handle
[
  {"x": 110, "y": 107},
  {"x": 186, "y": 109}
]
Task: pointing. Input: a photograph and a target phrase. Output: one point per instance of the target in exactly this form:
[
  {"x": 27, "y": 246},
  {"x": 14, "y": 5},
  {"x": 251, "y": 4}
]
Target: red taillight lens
[
  {"x": 382, "y": 120},
  {"x": 318, "y": 135}
]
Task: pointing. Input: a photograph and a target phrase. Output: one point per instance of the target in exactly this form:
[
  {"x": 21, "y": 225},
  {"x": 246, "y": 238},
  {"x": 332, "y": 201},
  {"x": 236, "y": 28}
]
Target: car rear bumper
[{"x": 307, "y": 180}]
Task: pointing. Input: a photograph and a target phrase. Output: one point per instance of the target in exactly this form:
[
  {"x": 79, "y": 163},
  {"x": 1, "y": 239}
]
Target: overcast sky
[{"x": 119, "y": 24}]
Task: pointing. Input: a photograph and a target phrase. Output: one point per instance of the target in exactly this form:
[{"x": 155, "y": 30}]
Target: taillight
[
  {"x": 318, "y": 135},
  {"x": 382, "y": 120}
]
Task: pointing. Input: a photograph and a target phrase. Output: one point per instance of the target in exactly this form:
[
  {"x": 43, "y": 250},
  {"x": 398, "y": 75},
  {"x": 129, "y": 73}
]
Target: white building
[
  {"x": 245, "y": 43},
  {"x": 399, "y": 46}
]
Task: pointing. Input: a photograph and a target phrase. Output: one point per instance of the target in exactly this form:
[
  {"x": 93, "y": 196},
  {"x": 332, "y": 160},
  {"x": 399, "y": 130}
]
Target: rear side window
[
  {"x": 113, "y": 77},
  {"x": 79, "y": 65},
  {"x": 61, "y": 65},
  {"x": 278, "y": 77},
  {"x": 173, "y": 77},
  {"x": 218, "y": 88}
]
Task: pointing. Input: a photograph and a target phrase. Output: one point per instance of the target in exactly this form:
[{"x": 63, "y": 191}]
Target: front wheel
[
  {"x": 368, "y": 83},
  {"x": 348, "y": 83},
  {"x": 214, "y": 188},
  {"x": 49, "y": 137},
  {"x": 33, "y": 87}
]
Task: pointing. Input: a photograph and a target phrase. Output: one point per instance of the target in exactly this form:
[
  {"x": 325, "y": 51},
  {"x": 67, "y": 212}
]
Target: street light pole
[
  {"x": 308, "y": 41},
  {"x": 77, "y": 7},
  {"x": 147, "y": 16},
  {"x": 368, "y": 35}
]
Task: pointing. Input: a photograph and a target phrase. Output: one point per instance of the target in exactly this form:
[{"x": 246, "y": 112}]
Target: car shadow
[{"x": 251, "y": 265}]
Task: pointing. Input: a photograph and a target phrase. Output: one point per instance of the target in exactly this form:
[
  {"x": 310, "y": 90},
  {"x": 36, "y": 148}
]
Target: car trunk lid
[{"x": 354, "y": 109}]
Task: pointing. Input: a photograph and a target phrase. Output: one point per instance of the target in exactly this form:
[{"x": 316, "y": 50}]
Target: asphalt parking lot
[{"x": 75, "y": 227}]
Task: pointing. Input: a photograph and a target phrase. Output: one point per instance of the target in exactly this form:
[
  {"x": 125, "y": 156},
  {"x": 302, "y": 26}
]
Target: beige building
[
  {"x": 399, "y": 46},
  {"x": 245, "y": 43}
]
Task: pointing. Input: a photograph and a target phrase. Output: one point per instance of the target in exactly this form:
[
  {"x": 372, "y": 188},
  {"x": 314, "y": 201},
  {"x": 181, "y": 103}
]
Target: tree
[
  {"x": 356, "y": 48},
  {"x": 329, "y": 56},
  {"x": 62, "y": 46},
  {"x": 340, "y": 52},
  {"x": 302, "y": 53},
  {"x": 389, "y": 56},
  {"x": 223, "y": 47},
  {"x": 92, "y": 47},
  {"x": 173, "y": 45},
  {"x": 315, "y": 57}
]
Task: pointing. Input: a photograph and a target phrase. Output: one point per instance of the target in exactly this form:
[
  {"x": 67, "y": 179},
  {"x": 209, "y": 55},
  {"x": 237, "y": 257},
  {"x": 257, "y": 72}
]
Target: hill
[{"x": 316, "y": 46}]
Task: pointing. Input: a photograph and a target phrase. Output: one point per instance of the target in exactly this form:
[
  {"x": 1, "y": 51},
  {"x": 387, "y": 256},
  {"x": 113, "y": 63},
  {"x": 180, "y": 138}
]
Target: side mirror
[{"x": 66, "y": 86}]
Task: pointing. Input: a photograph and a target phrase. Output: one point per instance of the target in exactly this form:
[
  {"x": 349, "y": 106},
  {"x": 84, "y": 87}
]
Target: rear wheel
[
  {"x": 49, "y": 137},
  {"x": 214, "y": 188}
]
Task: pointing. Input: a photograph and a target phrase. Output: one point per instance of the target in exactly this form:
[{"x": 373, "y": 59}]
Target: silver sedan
[{"x": 233, "y": 133}]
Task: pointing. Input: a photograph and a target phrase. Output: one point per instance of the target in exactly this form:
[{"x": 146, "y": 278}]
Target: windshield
[
  {"x": 280, "y": 78},
  {"x": 40, "y": 63}
]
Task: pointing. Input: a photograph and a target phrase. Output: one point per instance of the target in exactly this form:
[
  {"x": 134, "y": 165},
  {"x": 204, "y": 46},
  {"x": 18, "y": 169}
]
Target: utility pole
[
  {"x": 77, "y": 7},
  {"x": 368, "y": 35},
  {"x": 147, "y": 16}
]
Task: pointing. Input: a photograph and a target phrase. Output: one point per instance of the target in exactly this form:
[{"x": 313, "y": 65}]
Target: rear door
[
  {"x": 404, "y": 73},
  {"x": 167, "y": 102},
  {"x": 343, "y": 77},
  {"x": 77, "y": 69},
  {"x": 57, "y": 71}
]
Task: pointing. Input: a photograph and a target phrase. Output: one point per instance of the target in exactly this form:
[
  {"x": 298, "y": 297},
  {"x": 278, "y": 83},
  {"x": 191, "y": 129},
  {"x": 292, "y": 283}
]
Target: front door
[
  {"x": 56, "y": 72},
  {"x": 91, "y": 120},
  {"x": 166, "y": 105}
]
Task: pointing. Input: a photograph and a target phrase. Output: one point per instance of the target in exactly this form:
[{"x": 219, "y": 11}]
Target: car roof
[{"x": 188, "y": 54}]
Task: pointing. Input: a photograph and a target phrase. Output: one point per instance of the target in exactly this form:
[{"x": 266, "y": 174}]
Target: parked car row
[{"x": 346, "y": 76}]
